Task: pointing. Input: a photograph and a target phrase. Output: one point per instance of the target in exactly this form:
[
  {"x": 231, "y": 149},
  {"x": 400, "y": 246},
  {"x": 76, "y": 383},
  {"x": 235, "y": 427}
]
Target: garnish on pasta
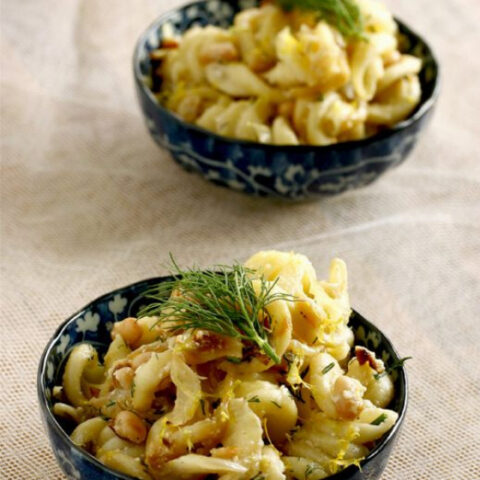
[
  {"x": 227, "y": 301},
  {"x": 343, "y": 14},
  {"x": 313, "y": 72},
  {"x": 246, "y": 373}
]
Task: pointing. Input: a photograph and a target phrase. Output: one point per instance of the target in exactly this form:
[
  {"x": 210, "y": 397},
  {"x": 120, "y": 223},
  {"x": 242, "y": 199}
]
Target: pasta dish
[
  {"x": 249, "y": 372},
  {"x": 289, "y": 76}
]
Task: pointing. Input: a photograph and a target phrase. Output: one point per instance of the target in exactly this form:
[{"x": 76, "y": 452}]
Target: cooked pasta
[
  {"x": 288, "y": 78},
  {"x": 292, "y": 398}
]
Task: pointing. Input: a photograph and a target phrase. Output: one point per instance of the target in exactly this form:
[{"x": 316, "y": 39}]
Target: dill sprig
[
  {"x": 380, "y": 419},
  {"x": 328, "y": 368},
  {"x": 343, "y": 14},
  {"x": 396, "y": 365},
  {"x": 223, "y": 301}
]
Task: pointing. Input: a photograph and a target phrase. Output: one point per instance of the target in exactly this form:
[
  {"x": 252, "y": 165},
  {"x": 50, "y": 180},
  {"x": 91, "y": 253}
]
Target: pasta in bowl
[
  {"x": 257, "y": 371},
  {"x": 314, "y": 127},
  {"x": 289, "y": 77}
]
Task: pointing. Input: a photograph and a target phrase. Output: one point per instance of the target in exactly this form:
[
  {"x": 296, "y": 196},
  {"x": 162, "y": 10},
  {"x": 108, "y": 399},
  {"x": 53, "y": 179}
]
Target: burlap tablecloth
[{"x": 89, "y": 203}]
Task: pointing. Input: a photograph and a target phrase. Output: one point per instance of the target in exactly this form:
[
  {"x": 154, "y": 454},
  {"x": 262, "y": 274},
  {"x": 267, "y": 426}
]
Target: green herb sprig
[
  {"x": 342, "y": 14},
  {"x": 380, "y": 419},
  {"x": 223, "y": 301},
  {"x": 328, "y": 368},
  {"x": 391, "y": 368}
]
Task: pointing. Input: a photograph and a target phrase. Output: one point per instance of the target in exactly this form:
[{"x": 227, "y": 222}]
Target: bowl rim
[
  {"x": 424, "y": 107},
  {"x": 49, "y": 418}
]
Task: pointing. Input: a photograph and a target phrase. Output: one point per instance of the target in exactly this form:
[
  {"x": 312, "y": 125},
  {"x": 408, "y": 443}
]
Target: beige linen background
[{"x": 89, "y": 203}]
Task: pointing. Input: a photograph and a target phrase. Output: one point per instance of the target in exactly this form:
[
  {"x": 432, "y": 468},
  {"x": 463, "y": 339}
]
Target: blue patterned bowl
[
  {"x": 93, "y": 324},
  {"x": 293, "y": 172}
]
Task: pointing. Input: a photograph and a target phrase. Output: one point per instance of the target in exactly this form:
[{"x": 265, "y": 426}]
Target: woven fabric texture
[{"x": 89, "y": 203}]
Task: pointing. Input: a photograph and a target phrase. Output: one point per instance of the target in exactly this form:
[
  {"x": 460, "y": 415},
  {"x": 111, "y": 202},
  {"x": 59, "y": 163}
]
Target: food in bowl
[
  {"x": 246, "y": 372},
  {"x": 305, "y": 75}
]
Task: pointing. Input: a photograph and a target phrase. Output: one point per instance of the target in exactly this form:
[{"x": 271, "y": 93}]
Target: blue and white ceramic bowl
[
  {"x": 93, "y": 324},
  {"x": 293, "y": 172}
]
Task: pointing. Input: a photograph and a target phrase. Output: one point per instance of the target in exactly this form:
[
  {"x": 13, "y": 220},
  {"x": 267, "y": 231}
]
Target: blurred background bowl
[
  {"x": 93, "y": 324},
  {"x": 293, "y": 172}
]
